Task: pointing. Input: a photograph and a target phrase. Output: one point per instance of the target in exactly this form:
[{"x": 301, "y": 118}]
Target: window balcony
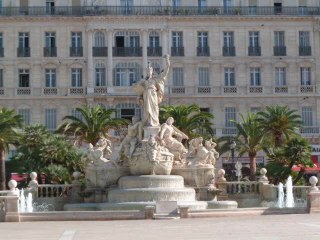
[
  {"x": 228, "y": 51},
  {"x": 281, "y": 89},
  {"x": 229, "y": 131},
  {"x": 280, "y": 51},
  {"x": 307, "y": 89},
  {"x": 309, "y": 130},
  {"x": 178, "y": 90},
  {"x": 100, "y": 51},
  {"x": 230, "y": 90},
  {"x": 1, "y": 52},
  {"x": 23, "y": 91},
  {"x": 50, "y": 91},
  {"x": 154, "y": 51},
  {"x": 100, "y": 90},
  {"x": 255, "y": 89},
  {"x": 127, "y": 51},
  {"x": 305, "y": 51},
  {"x": 76, "y": 91},
  {"x": 24, "y": 52},
  {"x": 203, "y": 51},
  {"x": 254, "y": 51},
  {"x": 177, "y": 51},
  {"x": 204, "y": 90},
  {"x": 76, "y": 51},
  {"x": 49, "y": 51}
]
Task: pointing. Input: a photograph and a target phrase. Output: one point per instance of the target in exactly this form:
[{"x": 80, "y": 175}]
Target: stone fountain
[{"x": 142, "y": 164}]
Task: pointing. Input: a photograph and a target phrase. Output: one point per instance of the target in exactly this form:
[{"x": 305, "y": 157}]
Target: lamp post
[{"x": 232, "y": 147}]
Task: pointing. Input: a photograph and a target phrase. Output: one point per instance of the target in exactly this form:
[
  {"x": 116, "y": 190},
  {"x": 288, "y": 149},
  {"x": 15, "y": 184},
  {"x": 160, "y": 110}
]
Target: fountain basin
[
  {"x": 196, "y": 176},
  {"x": 154, "y": 181}
]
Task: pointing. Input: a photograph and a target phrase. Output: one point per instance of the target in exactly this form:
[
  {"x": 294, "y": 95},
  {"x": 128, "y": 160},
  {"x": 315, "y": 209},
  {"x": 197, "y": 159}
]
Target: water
[
  {"x": 29, "y": 206},
  {"x": 289, "y": 203},
  {"x": 22, "y": 204},
  {"x": 280, "y": 203}
]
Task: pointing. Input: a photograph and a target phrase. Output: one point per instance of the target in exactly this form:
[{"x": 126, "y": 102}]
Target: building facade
[{"x": 230, "y": 56}]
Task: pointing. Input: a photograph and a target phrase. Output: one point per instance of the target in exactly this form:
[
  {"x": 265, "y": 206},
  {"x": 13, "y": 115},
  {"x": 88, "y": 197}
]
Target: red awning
[{"x": 315, "y": 168}]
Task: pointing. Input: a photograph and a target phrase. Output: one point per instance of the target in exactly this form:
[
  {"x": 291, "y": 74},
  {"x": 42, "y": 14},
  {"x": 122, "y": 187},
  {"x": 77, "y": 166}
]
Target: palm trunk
[
  {"x": 278, "y": 140},
  {"x": 253, "y": 166},
  {"x": 2, "y": 171}
]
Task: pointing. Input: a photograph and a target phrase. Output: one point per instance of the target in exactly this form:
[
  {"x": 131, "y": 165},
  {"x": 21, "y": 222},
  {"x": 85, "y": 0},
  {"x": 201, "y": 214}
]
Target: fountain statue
[{"x": 151, "y": 163}]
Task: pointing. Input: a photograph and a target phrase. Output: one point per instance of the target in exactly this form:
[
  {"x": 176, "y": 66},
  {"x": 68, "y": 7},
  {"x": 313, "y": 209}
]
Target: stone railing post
[
  {"x": 76, "y": 188},
  {"x": 12, "y": 203},
  {"x": 221, "y": 184},
  {"x": 313, "y": 201}
]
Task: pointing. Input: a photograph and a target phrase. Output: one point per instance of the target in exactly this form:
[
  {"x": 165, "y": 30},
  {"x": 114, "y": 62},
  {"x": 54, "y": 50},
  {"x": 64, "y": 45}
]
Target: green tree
[
  {"x": 92, "y": 124},
  {"x": 249, "y": 140},
  {"x": 189, "y": 119},
  {"x": 10, "y": 123},
  {"x": 296, "y": 151},
  {"x": 46, "y": 153},
  {"x": 279, "y": 123}
]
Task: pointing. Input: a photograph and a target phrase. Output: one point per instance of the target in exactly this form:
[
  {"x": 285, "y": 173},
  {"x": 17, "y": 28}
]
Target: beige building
[{"x": 228, "y": 56}]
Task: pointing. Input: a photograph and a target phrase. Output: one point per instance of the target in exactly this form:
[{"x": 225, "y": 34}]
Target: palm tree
[
  {"x": 249, "y": 139},
  {"x": 92, "y": 124},
  {"x": 189, "y": 119},
  {"x": 279, "y": 122},
  {"x": 9, "y": 124}
]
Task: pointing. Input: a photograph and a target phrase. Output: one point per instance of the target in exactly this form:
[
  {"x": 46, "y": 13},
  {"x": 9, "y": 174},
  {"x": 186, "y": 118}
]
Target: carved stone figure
[
  {"x": 151, "y": 91},
  {"x": 202, "y": 155},
  {"x": 132, "y": 139},
  {"x": 169, "y": 136}
]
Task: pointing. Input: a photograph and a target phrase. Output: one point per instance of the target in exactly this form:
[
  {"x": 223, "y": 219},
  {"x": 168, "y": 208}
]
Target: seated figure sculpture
[
  {"x": 202, "y": 155},
  {"x": 132, "y": 139},
  {"x": 166, "y": 135}
]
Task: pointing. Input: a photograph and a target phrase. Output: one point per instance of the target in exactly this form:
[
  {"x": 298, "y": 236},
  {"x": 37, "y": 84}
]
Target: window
[
  {"x": 229, "y": 78},
  {"x": 154, "y": 40},
  {"x": 228, "y": 39},
  {"x": 202, "y": 39},
  {"x": 126, "y": 74},
  {"x": 279, "y": 39},
  {"x": 76, "y": 114},
  {"x": 178, "y": 78},
  {"x": 23, "y": 40},
  {"x": 177, "y": 39},
  {"x": 99, "y": 39},
  {"x": 76, "y": 77},
  {"x": 204, "y": 76},
  {"x": 51, "y": 119},
  {"x": 1, "y": 78},
  {"x": 25, "y": 113},
  {"x": 202, "y": 4},
  {"x": 1, "y": 40},
  {"x": 50, "y": 39},
  {"x": 252, "y": 7},
  {"x": 127, "y": 110},
  {"x": 176, "y": 3},
  {"x": 50, "y": 76},
  {"x": 304, "y": 39},
  {"x": 306, "y": 116},
  {"x": 281, "y": 76},
  {"x": 255, "y": 78},
  {"x": 230, "y": 114},
  {"x": 254, "y": 39},
  {"x": 24, "y": 80},
  {"x": 126, "y": 6},
  {"x": 305, "y": 76},
  {"x": 303, "y": 10},
  {"x": 100, "y": 75},
  {"x": 134, "y": 41},
  {"x": 76, "y": 39},
  {"x": 49, "y": 6}
]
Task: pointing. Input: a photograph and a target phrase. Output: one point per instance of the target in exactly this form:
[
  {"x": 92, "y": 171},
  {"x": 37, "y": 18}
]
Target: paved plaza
[{"x": 302, "y": 226}]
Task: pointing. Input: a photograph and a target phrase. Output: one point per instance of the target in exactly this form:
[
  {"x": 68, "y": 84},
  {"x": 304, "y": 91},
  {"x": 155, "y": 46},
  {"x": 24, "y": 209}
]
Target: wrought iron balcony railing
[
  {"x": 280, "y": 51},
  {"x": 177, "y": 51},
  {"x": 76, "y": 51},
  {"x": 100, "y": 51},
  {"x": 228, "y": 51},
  {"x": 305, "y": 51},
  {"x": 203, "y": 51},
  {"x": 154, "y": 51},
  {"x": 254, "y": 51},
  {"x": 49, "y": 51},
  {"x": 158, "y": 11},
  {"x": 23, "y": 52},
  {"x": 127, "y": 51}
]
